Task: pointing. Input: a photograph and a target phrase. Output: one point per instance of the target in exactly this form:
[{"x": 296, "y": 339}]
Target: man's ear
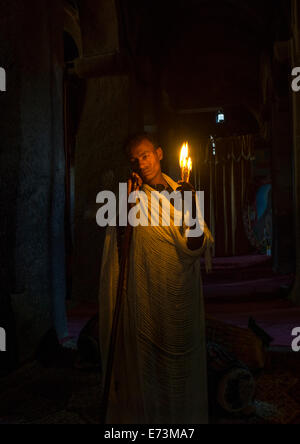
[{"x": 160, "y": 153}]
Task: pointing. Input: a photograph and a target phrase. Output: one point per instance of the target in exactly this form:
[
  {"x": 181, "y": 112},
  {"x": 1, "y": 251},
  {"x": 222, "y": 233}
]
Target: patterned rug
[
  {"x": 279, "y": 386},
  {"x": 64, "y": 395},
  {"x": 57, "y": 395}
]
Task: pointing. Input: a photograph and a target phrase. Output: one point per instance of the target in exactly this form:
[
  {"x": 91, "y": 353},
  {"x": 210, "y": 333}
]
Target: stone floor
[
  {"x": 62, "y": 394},
  {"x": 57, "y": 394}
]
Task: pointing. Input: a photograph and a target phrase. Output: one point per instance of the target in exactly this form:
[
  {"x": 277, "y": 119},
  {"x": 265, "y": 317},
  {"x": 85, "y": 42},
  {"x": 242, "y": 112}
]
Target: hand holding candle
[
  {"x": 185, "y": 163},
  {"x": 193, "y": 243}
]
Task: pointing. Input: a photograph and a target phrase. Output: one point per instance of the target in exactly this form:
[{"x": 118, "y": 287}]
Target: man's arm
[{"x": 193, "y": 243}]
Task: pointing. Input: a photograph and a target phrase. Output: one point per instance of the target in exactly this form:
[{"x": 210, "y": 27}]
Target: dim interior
[{"x": 213, "y": 73}]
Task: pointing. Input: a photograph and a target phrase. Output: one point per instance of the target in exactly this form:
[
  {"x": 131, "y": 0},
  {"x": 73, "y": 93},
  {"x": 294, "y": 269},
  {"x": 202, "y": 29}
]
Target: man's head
[{"x": 145, "y": 158}]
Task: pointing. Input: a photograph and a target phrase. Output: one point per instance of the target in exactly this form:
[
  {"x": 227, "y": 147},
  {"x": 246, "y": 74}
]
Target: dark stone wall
[
  {"x": 282, "y": 187},
  {"x": 294, "y": 295},
  {"x": 112, "y": 110},
  {"x": 32, "y": 169},
  {"x": 100, "y": 27},
  {"x": 99, "y": 165},
  {"x": 10, "y": 131}
]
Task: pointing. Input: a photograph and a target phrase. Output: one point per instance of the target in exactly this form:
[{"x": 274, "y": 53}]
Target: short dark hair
[{"x": 135, "y": 140}]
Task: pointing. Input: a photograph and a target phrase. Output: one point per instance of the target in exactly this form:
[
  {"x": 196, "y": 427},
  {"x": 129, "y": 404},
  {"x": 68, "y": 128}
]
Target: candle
[{"x": 186, "y": 164}]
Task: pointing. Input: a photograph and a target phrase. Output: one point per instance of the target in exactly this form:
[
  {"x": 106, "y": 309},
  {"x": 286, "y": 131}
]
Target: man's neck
[{"x": 158, "y": 180}]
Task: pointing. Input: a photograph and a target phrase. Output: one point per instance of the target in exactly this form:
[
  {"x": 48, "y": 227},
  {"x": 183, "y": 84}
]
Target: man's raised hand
[{"x": 134, "y": 183}]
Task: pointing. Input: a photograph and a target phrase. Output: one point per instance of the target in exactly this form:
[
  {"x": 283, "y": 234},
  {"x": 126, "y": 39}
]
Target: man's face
[{"x": 145, "y": 161}]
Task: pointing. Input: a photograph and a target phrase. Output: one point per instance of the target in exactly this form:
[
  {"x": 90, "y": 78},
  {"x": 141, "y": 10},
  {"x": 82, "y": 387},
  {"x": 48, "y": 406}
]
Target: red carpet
[
  {"x": 243, "y": 287},
  {"x": 238, "y": 288}
]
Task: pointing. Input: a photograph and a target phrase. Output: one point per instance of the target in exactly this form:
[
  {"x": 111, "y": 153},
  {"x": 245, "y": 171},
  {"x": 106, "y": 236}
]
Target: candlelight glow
[
  {"x": 185, "y": 162},
  {"x": 184, "y": 155}
]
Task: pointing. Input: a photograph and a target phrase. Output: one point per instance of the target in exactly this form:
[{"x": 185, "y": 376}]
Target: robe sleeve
[{"x": 191, "y": 256}]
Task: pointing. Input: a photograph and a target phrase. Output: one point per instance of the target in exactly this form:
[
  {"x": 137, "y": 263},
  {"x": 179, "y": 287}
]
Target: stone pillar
[
  {"x": 10, "y": 131},
  {"x": 33, "y": 169},
  {"x": 109, "y": 115},
  {"x": 99, "y": 165},
  {"x": 282, "y": 182},
  {"x": 295, "y": 49}
]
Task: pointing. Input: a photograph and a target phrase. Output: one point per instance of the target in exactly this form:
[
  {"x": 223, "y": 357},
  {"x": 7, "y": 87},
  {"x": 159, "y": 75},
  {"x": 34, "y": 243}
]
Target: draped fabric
[
  {"x": 225, "y": 180},
  {"x": 159, "y": 371}
]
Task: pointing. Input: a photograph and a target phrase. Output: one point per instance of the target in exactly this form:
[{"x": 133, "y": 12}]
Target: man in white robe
[{"x": 159, "y": 370}]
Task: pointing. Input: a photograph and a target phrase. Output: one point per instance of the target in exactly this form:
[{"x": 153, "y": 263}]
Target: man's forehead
[{"x": 141, "y": 148}]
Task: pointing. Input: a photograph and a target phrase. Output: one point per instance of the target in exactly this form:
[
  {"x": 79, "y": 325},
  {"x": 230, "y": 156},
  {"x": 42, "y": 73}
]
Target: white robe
[{"x": 159, "y": 371}]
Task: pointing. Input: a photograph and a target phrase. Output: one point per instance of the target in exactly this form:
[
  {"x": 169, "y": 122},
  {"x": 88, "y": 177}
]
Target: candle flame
[{"x": 185, "y": 160}]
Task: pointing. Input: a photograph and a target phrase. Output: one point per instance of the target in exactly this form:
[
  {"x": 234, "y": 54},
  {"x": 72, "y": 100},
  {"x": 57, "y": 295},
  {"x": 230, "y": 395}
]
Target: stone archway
[{"x": 72, "y": 26}]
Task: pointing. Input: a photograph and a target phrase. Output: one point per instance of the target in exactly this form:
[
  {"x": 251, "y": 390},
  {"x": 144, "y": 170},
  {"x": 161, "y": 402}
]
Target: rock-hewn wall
[
  {"x": 33, "y": 169},
  {"x": 99, "y": 165},
  {"x": 110, "y": 114}
]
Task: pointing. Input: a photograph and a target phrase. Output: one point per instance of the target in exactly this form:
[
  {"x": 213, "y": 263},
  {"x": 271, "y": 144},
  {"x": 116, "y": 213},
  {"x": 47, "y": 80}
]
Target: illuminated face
[{"x": 145, "y": 161}]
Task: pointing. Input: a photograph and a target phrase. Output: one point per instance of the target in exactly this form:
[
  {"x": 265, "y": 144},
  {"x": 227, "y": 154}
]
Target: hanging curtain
[{"x": 225, "y": 179}]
